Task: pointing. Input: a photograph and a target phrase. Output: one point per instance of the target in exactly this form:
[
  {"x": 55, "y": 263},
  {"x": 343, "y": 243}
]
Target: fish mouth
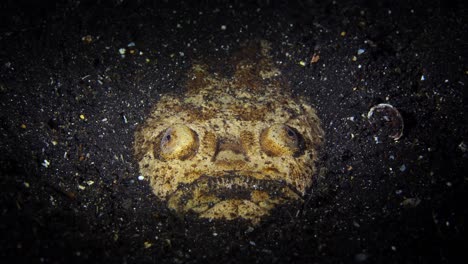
[{"x": 231, "y": 196}]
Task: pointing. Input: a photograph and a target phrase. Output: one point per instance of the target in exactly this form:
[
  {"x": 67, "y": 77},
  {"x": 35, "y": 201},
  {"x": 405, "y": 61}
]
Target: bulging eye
[
  {"x": 280, "y": 140},
  {"x": 178, "y": 142}
]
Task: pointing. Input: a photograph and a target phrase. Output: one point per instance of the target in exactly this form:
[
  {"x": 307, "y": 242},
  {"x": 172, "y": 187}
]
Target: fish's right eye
[{"x": 178, "y": 142}]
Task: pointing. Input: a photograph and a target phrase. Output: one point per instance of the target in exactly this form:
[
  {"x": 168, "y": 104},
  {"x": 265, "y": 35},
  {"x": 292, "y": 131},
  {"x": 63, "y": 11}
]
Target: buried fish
[{"x": 232, "y": 146}]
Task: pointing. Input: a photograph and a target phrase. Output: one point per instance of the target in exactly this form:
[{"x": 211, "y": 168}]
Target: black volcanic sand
[{"x": 70, "y": 103}]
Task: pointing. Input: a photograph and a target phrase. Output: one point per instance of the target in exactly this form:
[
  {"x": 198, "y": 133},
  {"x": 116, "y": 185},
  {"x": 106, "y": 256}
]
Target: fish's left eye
[{"x": 281, "y": 139}]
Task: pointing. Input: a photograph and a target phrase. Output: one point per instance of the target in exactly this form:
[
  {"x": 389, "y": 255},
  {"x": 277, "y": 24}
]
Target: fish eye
[
  {"x": 177, "y": 142},
  {"x": 281, "y": 140},
  {"x": 291, "y": 133}
]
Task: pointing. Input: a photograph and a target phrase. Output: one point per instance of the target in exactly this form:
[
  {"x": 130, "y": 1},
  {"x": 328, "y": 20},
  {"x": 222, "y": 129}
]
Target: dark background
[{"x": 372, "y": 202}]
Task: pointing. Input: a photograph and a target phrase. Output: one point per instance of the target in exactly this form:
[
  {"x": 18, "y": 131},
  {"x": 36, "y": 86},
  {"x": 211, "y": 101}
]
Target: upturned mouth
[{"x": 230, "y": 196}]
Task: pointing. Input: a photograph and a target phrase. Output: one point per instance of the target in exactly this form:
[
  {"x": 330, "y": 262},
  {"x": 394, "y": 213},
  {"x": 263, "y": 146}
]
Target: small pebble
[
  {"x": 87, "y": 39},
  {"x": 315, "y": 58},
  {"x": 462, "y": 146},
  {"x": 411, "y": 202},
  {"x": 361, "y": 257},
  {"x": 403, "y": 168},
  {"x": 223, "y": 27},
  {"x": 141, "y": 177},
  {"x": 82, "y": 117},
  {"x": 360, "y": 51},
  {"x": 122, "y": 51},
  {"x": 249, "y": 229},
  {"x": 45, "y": 163},
  {"x": 131, "y": 44}
]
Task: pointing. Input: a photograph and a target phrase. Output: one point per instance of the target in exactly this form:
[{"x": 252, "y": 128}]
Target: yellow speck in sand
[
  {"x": 87, "y": 39},
  {"x": 147, "y": 244},
  {"x": 82, "y": 117}
]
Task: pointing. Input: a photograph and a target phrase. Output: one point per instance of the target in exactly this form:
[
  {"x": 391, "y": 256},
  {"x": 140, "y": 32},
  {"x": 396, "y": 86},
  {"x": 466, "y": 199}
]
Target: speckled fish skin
[{"x": 230, "y": 147}]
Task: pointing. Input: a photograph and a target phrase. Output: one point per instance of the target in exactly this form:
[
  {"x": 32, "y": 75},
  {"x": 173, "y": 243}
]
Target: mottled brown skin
[{"x": 231, "y": 147}]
